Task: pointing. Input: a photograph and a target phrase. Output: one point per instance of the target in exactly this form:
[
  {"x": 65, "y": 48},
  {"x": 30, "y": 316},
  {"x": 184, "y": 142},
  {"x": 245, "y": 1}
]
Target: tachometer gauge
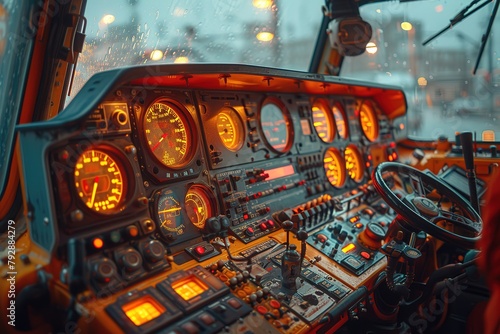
[
  {"x": 334, "y": 167},
  {"x": 99, "y": 181},
  {"x": 340, "y": 120},
  {"x": 323, "y": 121},
  {"x": 354, "y": 164},
  {"x": 199, "y": 205},
  {"x": 169, "y": 214},
  {"x": 369, "y": 121},
  {"x": 230, "y": 129},
  {"x": 276, "y": 125},
  {"x": 168, "y": 134}
]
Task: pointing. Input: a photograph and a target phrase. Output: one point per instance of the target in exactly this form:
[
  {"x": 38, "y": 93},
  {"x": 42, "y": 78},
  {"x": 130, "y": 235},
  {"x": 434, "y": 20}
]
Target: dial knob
[
  {"x": 154, "y": 251},
  {"x": 131, "y": 260},
  {"x": 372, "y": 236},
  {"x": 103, "y": 270}
]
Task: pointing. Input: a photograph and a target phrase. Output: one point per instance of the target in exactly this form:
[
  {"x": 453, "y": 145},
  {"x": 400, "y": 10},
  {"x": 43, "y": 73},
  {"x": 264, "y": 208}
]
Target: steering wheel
[{"x": 420, "y": 212}]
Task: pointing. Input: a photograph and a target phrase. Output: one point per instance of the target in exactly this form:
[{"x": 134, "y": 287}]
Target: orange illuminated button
[
  {"x": 275, "y": 304},
  {"x": 97, "y": 243},
  {"x": 365, "y": 255},
  {"x": 132, "y": 231},
  {"x": 348, "y": 248}
]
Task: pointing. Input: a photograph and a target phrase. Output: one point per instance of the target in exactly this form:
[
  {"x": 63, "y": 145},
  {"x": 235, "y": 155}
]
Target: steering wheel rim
[{"x": 418, "y": 211}]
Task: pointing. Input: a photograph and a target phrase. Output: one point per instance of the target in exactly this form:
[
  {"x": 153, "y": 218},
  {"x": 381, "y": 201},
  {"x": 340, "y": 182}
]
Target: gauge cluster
[{"x": 163, "y": 164}]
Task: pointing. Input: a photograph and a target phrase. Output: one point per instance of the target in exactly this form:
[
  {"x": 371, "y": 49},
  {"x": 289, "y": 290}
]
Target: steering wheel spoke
[{"x": 457, "y": 220}]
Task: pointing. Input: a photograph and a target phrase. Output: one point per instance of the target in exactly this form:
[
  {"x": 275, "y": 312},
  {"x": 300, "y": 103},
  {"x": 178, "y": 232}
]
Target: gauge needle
[
  {"x": 155, "y": 146},
  {"x": 94, "y": 191},
  {"x": 169, "y": 210}
]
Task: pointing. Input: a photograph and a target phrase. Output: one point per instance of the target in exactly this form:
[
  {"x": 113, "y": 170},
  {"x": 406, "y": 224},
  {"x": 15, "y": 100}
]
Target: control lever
[
  {"x": 466, "y": 140},
  {"x": 76, "y": 274},
  {"x": 394, "y": 250},
  {"x": 291, "y": 262}
]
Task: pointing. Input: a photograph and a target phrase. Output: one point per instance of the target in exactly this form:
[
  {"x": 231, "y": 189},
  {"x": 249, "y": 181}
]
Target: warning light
[
  {"x": 97, "y": 243},
  {"x": 189, "y": 287},
  {"x": 143, "y": 310},
  {"x": 348, "y": 248}
]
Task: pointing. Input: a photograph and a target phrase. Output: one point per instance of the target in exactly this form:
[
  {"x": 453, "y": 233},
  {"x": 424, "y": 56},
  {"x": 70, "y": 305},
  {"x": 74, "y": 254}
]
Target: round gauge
[
  {"x": 99, "y": 181},
  {"x": 168, "y": 134},
  {"x": 199, "y": 205},
  {"x": 354, "y": 163},
  {"x": 334, "y": 167},
  {"x": 276, "y": 125},
  {"x": 340, "y": 121},
  {"x": 169, "y": 214},
  {"x": 323, "y": 121},
  {"x": 230, "y": 129},
  {"x": 369, "y": 121}
]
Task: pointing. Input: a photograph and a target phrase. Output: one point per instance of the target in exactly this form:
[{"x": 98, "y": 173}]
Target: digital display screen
[
  {"x": 143, "y": 310},
  {"x": 276, "y": 173},
  {"x": 189, "y": 287}
]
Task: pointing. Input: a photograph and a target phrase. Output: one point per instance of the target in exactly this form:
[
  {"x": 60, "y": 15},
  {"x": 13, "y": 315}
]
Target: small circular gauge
[
  {"x": 340, "y": 121},
  {"x": 323, "y": 121},
  {"x": 276, "y": 125},
  {"x": 199, "y": 205},
  {"x": 354, "y": 163},
  {"x": 230, "y": 129},
  {"x": 99, "y": 181},
  {"x": 369, "y": 121},
  {"x": 334, "y": 167},
  {"x": 169, "y": 214},
  {"x": 168, "y": 134}
]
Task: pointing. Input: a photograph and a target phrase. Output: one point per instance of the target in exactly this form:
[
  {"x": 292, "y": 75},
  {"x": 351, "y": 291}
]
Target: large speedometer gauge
[
  {"x": 168, "y": 135},
  {"x": 354, "y": 164},
  {"x": 369, "y": 121},
  {"x": 230, "y": 129},
  {"x": 276, "y": 125},
  {"x": 99, "y": 181},
  {"x": 334, "y": 167}
]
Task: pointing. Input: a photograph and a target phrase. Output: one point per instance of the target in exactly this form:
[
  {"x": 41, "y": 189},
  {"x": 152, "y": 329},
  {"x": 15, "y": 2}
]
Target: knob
[
  {"x": 372, "y": 236},
  {"x": 131, "y": 260},
  {"x": 119, "y": 118},
  {"x": 154, "y": 251},
  {"x": 103, "y": 270}
]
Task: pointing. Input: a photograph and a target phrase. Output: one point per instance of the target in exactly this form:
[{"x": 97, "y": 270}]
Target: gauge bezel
[
  {"x": 288, "y": 121},
  {"x": 189, "y": 124},
  {"x": 324, "y": 106},
  {"x": 209, "y": 198},
  {"x": 128, "y": 179},
  {"x": 336, "y": 152},
  {"x": 234, "y": 117},
  {"x": 368, "y": 107},
  {"x": 340, "y": 108},
  {"x": 361, "y": 162}
]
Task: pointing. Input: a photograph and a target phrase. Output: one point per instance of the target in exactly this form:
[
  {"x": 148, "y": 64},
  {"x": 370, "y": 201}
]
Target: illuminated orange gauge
[
  {"x": 99, "y": 181},
  {"x": 276, "y": 124},
  {"x": 369, "y": 121},
  {"x": 199, "y": 205},
  {"x": 230, "y": 129},
  {"x": 340, "y": 121},
  {"x": 169, "y": 139},
  {"x": 323, "y": 121},
  {"x": 334, "y": 167},
  {"x": 354, "y": 164}
]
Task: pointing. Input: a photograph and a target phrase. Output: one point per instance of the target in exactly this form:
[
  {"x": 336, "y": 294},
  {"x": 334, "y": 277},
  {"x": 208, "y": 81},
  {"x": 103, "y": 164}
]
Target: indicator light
[
  {"x": 97, "y": 243},
  {"x": 143, "y": 310},
  {"x": 348, "y": 248}
]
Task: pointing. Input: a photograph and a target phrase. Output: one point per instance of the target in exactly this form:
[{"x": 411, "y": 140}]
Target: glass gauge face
[
  {"x": 334, "y": 167},
  {"x": 353, "y": 163},
  {"x": 99, "y": 181},
  {"x": 369, "y": 121},
  {"x": 169, "y": 214},
  {"x": 340, "y": 121},
  {"x": 323, "y": 121},
  {"x": 230, "y": 129},
  {"x": 168, "y": 135},
  {"x": 199, "y": 205},
  {"x": 276, "y": 125}
]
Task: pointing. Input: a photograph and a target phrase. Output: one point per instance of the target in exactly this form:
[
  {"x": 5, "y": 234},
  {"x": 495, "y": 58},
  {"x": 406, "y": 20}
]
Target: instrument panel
[{"x": 165, "y": 169}]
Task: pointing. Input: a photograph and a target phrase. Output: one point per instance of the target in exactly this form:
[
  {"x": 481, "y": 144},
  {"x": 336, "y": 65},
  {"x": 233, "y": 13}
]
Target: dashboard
[{"x": 186, "y": 197}]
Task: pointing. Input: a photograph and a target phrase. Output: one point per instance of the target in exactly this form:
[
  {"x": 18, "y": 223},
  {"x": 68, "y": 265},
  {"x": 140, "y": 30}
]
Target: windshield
[
  {"x": 258, "y": 32},
  {"x": 443, "y": 94}
]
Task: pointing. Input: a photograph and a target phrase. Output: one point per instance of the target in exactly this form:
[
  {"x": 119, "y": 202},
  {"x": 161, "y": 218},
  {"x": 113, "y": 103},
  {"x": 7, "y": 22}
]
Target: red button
[
  {"x": 245, "y": 216},
  {"x": 365, "y": 255},
  {"x": 200, "y": 250},
  {"x": 207, "y": 319},
  {"x": 263, "y": 226},
  {"x": 270, "y": 223},
  {"x": 322, "y": 238},
  {"x": 261, "y": 309},
  {"x": 275, "y": 304}
]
